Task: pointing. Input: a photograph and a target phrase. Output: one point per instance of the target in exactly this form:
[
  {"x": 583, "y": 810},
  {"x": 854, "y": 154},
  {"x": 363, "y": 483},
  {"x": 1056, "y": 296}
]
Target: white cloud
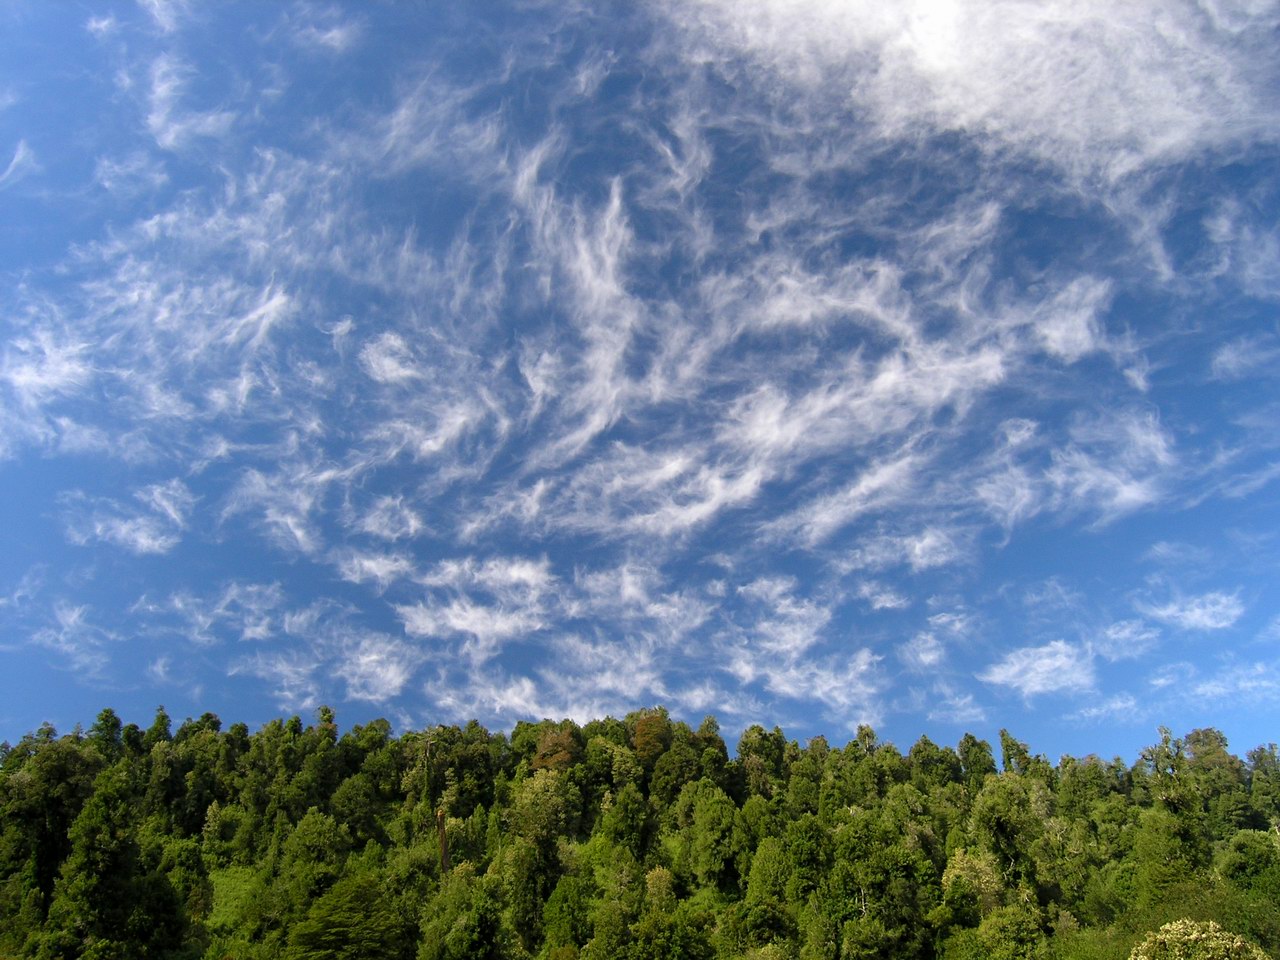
[
  {"x": 170, "y": 124},
  {"x": 324, "y": 31},
  {"x": 292, "y": 675},
  {"x": 1090, "y": 87},
  {"x": 1125, "y": 640},
  {"x": 880, "y": 487},
  {"x": 1244, "y": 356},
  {"x": 882, "y": 597},
  {"x": 167, "y": 14},
  {"x": 1209, "y": 611},
  {"x": 22, "y": 165},
  {"x": 487, "y": 627},
  {"x": 286, "y": 504},
  {"x": 79, "y": 643},
  {"x": 1113, "y": 466},
  {"x": 1122, "y": 708},
  {"x": 390, "y": 518},
  {"x": 384, "y": 569},
  {"x": 923, "y": 652},
  {"x": 931, "y": 547},
  {"x": 246, "y": 611},
  {"x": 171, "y": 500},
  {"x": 157, "y": 528},
  {"x": 41, "y": 368},
  {"x": 131, "y": 174},
  {"x": 388, "y": 359},
  {"x": 951, "y": 706},
  {"x": 1240, "y": 683},
  {"x": 1068, "y": 325},
  {"x": 101, "y": 26},
  {"x": 377, "y": 667},
  {"x": 1056, "y": 666}
]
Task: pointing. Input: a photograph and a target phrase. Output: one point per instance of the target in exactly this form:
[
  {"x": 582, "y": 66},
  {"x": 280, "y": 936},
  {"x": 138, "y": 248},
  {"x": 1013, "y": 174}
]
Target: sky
[{"x": 800, "y": 362}]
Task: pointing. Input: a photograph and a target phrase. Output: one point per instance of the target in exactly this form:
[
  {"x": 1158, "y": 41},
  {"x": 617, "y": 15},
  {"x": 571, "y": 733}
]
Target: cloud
[
  {"x": 167, "y": 14},
  {"x": 248, "y": 612},
  {"x": 1209, "y": 611},
  {"x": 101, "y": 26},
  {"x": 1239, "y": 683},
  {"x": 43, "y": 367},
  {"x": 1125, "y": 640},
  {"x": 922, "y": 653},
  {"x": 377, "y": 667},
  {"x": 882, "y": 597},
  {"x": 621, "y": 375},
  {"x": 1068, "y": 326},
  {"x": 1090, "y": 88},
  {"x": 291, "y": 675},
  {"x": 389, "y": 360},
  {"x": 79, "y": 644},
  {"x": 324, "y": 31},
  {"x": 951, "y": 706},
  {"x": 129, "y": 175},
  {"x": 22, "y": 165},
  {"x": 390, "y": 518},
  {"x": 1245, "y": 356},
  {"x": 172, "y": 126},
  {"x": 1122, "y": 708},
  {"x": 155, "y": 529},
  {"x": 880, "y": 487},
  {"x": 285, "y": 504},
  {"x": 1113, "y": 465},
  {"x": 931, "y": 547},
  {"x": 1054, "y": 667},
  {"x": 487, "y": 627},
  {"x": 384, "y": 569}
]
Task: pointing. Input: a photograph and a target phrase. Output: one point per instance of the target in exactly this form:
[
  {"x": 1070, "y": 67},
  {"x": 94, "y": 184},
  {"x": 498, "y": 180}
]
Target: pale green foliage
[
  {"x": 1190, "y": 940},
  {"x": 973, "y": 877}
]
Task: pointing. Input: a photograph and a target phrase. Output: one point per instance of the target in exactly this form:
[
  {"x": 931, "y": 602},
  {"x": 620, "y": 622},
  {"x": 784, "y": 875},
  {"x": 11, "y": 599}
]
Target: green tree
[
  {"x": 353, "y": 920},
  {"x": 105, "y": 903}
]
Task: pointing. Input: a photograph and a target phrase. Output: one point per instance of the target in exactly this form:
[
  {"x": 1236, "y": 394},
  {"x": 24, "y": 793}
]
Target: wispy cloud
[
  {"x": 156, "y": 527},
  {"x": 1208, "y": 611},
  {"x": 170, "y": 123},
  {"x": 166, "y": 14},
  {"x": 1121, "y": 708},
  {"x": 1125, "y": 640},
  {"x": 22, "y": 165},
  {"x": 1055, "y": 667},
  {"x": 79, "y": 644}
]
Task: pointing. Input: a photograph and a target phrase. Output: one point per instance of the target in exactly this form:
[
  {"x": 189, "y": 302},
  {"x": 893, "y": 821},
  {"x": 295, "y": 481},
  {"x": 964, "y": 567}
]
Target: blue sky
[{"x": 796, "y": 361}]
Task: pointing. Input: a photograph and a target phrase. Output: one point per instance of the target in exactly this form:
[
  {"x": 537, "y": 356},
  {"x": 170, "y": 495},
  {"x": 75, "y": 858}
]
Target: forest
[{"x": 637, "y": 838}]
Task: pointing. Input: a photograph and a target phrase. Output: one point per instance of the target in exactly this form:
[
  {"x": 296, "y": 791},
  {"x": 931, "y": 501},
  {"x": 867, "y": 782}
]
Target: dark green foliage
[{"x": 635, "y": 838}]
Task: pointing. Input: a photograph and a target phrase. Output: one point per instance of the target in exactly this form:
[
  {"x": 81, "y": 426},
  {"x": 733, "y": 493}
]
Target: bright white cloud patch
[
  {"x": 795, "y": 361},
  {"x": 1054, "y": 667},
  {"x": 1099, "y": 88}
]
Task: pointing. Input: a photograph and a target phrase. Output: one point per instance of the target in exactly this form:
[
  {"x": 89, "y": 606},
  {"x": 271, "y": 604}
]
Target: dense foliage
[{"x": 633, "y": 838}]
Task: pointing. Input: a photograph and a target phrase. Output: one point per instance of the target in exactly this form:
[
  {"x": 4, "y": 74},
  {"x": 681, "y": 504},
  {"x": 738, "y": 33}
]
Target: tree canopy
[{"x": 639, "y": 837}]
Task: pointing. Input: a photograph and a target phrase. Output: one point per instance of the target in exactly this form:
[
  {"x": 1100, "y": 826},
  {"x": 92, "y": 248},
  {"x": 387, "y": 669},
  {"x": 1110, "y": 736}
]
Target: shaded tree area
[{"x": 634, "y": 838}]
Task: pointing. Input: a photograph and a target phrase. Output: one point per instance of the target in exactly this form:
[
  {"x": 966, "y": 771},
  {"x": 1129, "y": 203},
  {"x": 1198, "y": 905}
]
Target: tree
[
  {"x": 354, "y": 920},
  {"x": 1189, "y": 940},
  {"x": 105, "y": 903},
  {"x": 976, "y": 761},
  {"x": 708, "y": 838}
]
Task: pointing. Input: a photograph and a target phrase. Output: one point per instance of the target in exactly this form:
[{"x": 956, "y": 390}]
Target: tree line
[{"x": 637, "y": 838}]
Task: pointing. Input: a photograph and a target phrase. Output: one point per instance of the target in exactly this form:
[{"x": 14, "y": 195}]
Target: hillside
[{"x": 639, "y": 837}]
